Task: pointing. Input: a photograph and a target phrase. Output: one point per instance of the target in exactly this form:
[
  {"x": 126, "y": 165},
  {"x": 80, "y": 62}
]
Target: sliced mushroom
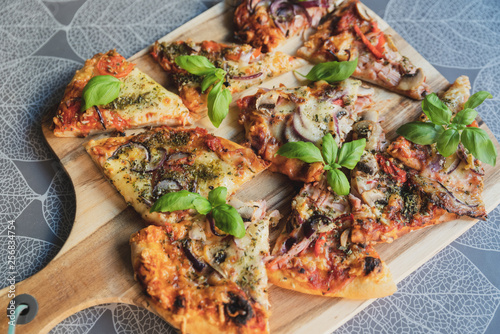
[
  {"x": 412, "y": 81},
  {"x": 362, "y": 12},
  {"x": 343, "y": 238}
]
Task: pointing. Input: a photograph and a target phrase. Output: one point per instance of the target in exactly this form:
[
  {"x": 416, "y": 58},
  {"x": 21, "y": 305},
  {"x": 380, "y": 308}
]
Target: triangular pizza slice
[
  {"x": 350, "y": 33},
  {"x": 245, "y": 67},
  {"x": 145, "y": 166},
  {"x": 281, "y": 115},
  {"x": 203, "y": 282},
  {"x": 141, "y": 101},
  {"x": 315, "y": 255}
]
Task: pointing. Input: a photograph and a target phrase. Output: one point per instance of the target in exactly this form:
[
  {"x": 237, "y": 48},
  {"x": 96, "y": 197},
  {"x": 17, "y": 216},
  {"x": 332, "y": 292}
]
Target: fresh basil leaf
[
  {"x": 304, "y": 151},
  {"x": 435, "y": 109},
  {"x": 351, "y": 152},
  {"x": 476, "y": 99},
  {"x": 217, "y": 196},
  {"x": 197, "y": 65},
  {"x": 329, "y": 148},
  {"x": 208, "y": 81},
  {"x": 228, "y": 220},
  {"x": 101, "y": 89},
  {"x": 212, "y": 78},
  {"x": 217, "y": 111},
  {"x": 420, "y": 133},
  {"x": 202, "y": 205},
  {"x": 447, "y": 143},
  {"x": 338, "y": 181},
  {"x": 180, "y": 200},
  {"x": 479, "y": 144},
  {"x": 332, "y": 71},
  {"x": 465, "y": 117}
]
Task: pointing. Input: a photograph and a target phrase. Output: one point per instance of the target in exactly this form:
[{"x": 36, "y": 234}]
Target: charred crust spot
[
  {"x": 179, "y": 302},
  {"x": 238, "y": 309},
  {"x": 371, "y": 264}
]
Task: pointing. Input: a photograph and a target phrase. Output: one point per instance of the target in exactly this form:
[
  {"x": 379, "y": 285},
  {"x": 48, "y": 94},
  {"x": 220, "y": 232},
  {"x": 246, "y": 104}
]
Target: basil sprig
[
  {"x": 332, "y": 158},
  {"x": 448, "y": 131},
  {"x": 100, "y": 90},
  {"x": 219, "y": 98},
  {"x": 332, "y": 71},
  {"x": 226, "y": 218}
]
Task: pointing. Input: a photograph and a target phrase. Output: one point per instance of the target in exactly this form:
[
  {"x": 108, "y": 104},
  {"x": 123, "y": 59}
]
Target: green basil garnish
[
  {"x": 332, "y": 71},
  {"x": 219, "y": 98},
  {"x": 226, "y": 218},
  {"x": 447, "y": 133},
  {"x": 100, "y": 90},
  {"x": 332, "y": 158}
]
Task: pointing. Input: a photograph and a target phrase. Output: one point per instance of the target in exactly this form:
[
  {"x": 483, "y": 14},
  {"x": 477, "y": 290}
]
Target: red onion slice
[
  {"x": 456, "y": 199},
  {"x": 101, "y": 119},
  {"x": 154, "y": 166},
  {"x": 133, "y": 144},
  {"x": 166, "y": 186},
  {"x": 248, "y": 77},
  {"x": 313, "y": 3},
  {"x": 197, "y": 264}
]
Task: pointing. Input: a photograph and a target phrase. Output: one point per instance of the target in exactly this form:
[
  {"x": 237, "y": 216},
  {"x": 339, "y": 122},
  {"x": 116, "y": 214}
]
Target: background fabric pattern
[{"x": 43, "y": 42}]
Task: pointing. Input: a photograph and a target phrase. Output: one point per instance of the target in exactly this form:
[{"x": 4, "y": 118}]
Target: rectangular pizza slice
[
  {"x": 278, "y": 116},
  {"x": 245, "y": 67},
  {"x": 145, "y": 166},
  {"x": 201, "y": 282}
]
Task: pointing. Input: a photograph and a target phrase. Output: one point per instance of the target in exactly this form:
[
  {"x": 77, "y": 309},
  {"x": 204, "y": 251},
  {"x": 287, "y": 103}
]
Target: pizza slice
[
  {"x": 351, "y": 33},
  {"x": 386, "y": 204},
  {"x": 275, "y": 117},
  {"x": 203, "y": 282},
  {"x": 454, "y": 183},
  {"x": 141, "y": 101},
  {"x": 143, "y": 167},
  {"x": 246, "y": 67},
  {"x": 315, "y": 255},
  {"x": 267, "y": 24}
]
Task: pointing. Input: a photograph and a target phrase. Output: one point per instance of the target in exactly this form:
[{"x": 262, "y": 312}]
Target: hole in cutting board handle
[{"x": 28, "y": 314}]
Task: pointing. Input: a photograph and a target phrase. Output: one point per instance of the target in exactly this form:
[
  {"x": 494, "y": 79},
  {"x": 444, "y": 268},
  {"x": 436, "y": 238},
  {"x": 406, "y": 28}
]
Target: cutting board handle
[{"x": 95, "y": 271}]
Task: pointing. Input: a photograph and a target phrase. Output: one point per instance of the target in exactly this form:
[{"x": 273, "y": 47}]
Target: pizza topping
[
  {"x": 248, "y": 77},
  {"x": 287, "y": 14},
  {"x": 115, "y": 65},
  {"x": 219, "y": 98},
  {"x": 411, "y": 81},
  {"x": 226, "y": 217},
  {"x": 348, "y": 156},
  {"x": 388, "y": 166},
  {"x": 100, "y": 90},
  {"x": 448, "y": 132},
  {"x": 332, "y": 71},
  {"x": 198, "y": 265},
  {"x": 238, "y": 309},
  {"x": 370, "y": 264}
]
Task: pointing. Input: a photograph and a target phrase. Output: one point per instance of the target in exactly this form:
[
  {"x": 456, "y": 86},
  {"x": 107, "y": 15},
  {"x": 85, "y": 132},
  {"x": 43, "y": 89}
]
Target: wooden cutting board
[{"x": 93, "y": 267}]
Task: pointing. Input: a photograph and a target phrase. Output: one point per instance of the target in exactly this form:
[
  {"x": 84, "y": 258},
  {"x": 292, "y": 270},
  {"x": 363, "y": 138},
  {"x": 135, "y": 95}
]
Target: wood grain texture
[{"x": 93, "y": 267}]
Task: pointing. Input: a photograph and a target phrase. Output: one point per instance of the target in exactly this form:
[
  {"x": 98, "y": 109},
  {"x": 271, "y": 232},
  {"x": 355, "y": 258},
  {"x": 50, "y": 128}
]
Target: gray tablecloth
[{"x": 42, "y": 43}]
